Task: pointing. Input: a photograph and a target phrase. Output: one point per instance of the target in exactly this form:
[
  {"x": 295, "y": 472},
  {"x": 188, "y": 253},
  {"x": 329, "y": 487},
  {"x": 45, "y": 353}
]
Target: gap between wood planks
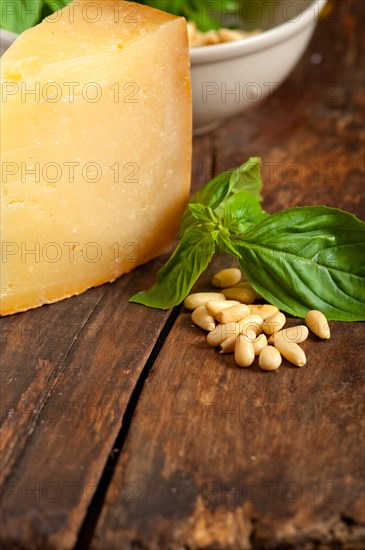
[
  {"x": 12, "y": 454},
  {"x": 89, "y": 523},
  {"x": 86, "y": 532}
]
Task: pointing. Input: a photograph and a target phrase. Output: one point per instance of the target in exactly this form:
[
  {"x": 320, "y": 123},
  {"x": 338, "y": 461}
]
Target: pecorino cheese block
[{"x": 96, "y": 134}]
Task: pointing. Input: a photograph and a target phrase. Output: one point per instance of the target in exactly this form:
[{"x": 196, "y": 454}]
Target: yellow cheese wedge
[{"x": 95, "y": 148}]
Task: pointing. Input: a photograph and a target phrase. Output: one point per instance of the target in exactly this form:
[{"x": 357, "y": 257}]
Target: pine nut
[
  {"x": 227, "y": 277},
  {"x": 243, "y": 295},
  {"x": 201, "y": 298},
  {"x": 293, "y": 334},
  {"x": 233, "y": 313},
  {"x": 292, "y": 352},
  {"x": 318, "y": 324},
  {"x": 215, "y": 307},
  {"x": 259, "y": 344},
  {"x": 241, "y": 324},
  {"x": 248, "y": 285},
  {"x": 274, "y": 323},
  {"x": 202, "y": 319},
  {"x": 270, "y": 358},
  {"x": 222, "y": 332},
  {"x": 209, "y": 38},
  {"x": 264, "y": 310},
  {"x": 251, "y": 322},
  {"x": 250, "y": 335},
  {"x": 244, "y": 353},
  {"x": 229, "y": 35},
  {"x": 228, "y": 345}
]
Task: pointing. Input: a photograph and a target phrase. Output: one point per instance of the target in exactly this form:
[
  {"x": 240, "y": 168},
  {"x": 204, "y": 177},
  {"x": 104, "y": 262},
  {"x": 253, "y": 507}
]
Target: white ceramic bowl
[
  {"x": 6, "y": 40},
  {"x": 229, "y": 78}
]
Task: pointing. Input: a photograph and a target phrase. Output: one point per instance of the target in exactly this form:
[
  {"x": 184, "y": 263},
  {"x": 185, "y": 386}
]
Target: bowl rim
[
  {"x": 238, "y": 48},
  {"x": 228, "y": 50},
  {"x": 7, "y": 35}
]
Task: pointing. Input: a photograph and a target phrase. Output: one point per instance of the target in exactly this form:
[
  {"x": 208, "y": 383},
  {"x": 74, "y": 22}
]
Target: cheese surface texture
[{"x": 95, "y": 148}]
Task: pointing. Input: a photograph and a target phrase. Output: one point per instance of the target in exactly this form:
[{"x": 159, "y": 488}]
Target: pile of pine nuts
[
  {"x": 208, "y": 38},
  {"x": 238, "y": 325}
]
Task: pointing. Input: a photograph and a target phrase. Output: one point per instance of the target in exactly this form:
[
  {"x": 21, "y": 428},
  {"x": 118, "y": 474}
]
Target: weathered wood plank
[
  {"x": 46, "y": 495},
  {"x": 235, "y": 459},
  {"x": 34, "y": 345},
  {"x": 203, "y": 161},
  {"x": 69, "y": 371},
  {"x": 227, "y": 458}
]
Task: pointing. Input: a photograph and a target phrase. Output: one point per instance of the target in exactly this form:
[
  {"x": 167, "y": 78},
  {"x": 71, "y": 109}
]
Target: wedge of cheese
[{"x": 95, "y": 148}]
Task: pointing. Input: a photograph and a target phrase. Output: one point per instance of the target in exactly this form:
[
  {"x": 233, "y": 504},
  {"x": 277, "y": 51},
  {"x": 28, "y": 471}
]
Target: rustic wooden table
[{"x": 121, "y": 430}]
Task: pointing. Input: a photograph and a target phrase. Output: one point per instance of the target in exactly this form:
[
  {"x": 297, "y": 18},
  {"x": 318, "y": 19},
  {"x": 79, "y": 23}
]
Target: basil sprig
[
  {"x": 217, "y": 192},
  {"x": 19, "y": 15},
  {"x": 207, "y": 15},
  {"x": 305, "y": 258},
  {"x": 310, "y": 257}
]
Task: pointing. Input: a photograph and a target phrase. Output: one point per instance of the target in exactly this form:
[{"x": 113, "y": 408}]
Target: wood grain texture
[
  {"x": 33, "y": 347},
  {"x": 222, "y": 458},
  {"x": 216, "y": 458},
  {"x": 68, "y": 372},
  {"x": 77, "y": 406},
  {"x": 227, "y": 458}
]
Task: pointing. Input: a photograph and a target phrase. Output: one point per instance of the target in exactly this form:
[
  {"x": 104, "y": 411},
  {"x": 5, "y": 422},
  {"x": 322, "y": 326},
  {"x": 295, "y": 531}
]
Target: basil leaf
[
  {"x": 225, "y": 244},
  {"x": 308, "y": 258},
  {"x": 213, "y": 194},
  {"x": 210, "y": 15},
  {"x": 248, "y": 178},
  {"x": 55, "y": 5},
  {"x": 178, "y": 275},
  {"x": 204, "y": 22},
  {"x": 19, "y": 15},
  {"x": 211, "y": 222},
  {"x": 171, "y": 6},
  {"x": 205, "y": 216},
  {"x": 242, "y": 211}
]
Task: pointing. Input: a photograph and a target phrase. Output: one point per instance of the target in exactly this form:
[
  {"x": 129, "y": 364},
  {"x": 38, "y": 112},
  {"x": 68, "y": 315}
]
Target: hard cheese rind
[{"x": 96, "y": 148}]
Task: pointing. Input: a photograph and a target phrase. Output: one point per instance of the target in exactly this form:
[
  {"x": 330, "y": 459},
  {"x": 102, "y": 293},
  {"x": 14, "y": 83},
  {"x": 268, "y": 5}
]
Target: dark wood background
[{"x": 122, "y": 430}]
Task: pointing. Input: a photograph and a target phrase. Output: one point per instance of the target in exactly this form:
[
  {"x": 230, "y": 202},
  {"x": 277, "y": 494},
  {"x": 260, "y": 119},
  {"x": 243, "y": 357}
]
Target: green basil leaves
[
  {"x": 19, "y": 15},
  {"x": 299, "y": 259},
  {"x": 178, "y": 275},
  {"x": 308, "y": 258}
]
